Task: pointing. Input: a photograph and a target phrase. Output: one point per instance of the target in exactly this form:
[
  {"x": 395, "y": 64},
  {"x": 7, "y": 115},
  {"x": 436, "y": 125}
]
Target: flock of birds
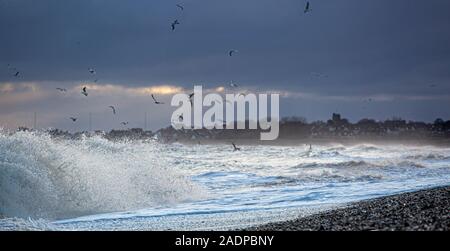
[
  {"x": 84, "y": 91},
  {"x": 181, "y": 7},
  {"x": 92, "y": 71}
]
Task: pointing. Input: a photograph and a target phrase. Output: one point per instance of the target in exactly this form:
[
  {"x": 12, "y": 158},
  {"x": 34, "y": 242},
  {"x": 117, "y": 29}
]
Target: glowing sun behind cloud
[{"x": 111, "y": 89}]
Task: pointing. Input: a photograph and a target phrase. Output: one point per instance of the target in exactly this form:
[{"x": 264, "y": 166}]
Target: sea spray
[{"x": 42, "y": 177}]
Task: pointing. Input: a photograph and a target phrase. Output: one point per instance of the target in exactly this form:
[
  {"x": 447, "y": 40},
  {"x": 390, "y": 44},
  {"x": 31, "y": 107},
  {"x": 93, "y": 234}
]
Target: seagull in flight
[
  {"x": 235, "y": 147},
  {"x": 180, "y": 6},
  {"x": 156, "y": 101},
  {"x": 92, "y": 71},
  {"x": 174, "y": 23},
  {"x": 233, "y": 85},
  {"x": 61, "y": 89},
  {"x": 124, "y": 123},
  {"x": 73, "y": 119},
  {"x": 307, "y": 8},
  {"x": 84, "y": 91},
  {"x": 17, "y": 74},
  {"x": 113, "y": 109},
  {"x": 191, "y": 96},
  {"x": 231, "y": 52}
]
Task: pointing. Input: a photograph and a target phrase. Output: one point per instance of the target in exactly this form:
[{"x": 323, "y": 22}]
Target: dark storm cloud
[{"x": 365, "y": 47}]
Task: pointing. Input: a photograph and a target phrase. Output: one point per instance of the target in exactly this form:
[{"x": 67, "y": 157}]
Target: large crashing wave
[{"x": 41, "y": 177}]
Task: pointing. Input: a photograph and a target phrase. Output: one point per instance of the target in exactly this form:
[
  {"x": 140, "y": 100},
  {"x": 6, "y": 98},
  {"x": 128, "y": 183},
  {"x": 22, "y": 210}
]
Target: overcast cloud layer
[{"x": 362, "y": 58}]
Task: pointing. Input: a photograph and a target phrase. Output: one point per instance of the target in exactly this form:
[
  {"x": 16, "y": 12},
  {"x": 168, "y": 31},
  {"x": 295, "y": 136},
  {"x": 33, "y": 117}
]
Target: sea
[{"x": 96, "y": 184}]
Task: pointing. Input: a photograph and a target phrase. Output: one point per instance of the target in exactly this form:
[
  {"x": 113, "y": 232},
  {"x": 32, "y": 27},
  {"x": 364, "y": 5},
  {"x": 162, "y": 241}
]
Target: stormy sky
[{"x": 361, "y": 58}]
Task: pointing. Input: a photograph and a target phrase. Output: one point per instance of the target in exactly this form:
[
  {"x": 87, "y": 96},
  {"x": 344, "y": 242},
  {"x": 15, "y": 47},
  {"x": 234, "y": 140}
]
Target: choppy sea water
[{"x": 96, "y": 184}]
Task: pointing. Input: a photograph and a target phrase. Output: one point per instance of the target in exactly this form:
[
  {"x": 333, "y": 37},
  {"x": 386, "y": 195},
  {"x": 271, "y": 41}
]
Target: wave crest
[{"x": 41, "y": 177}]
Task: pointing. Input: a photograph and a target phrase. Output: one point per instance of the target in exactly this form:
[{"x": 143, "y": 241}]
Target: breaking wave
[{"x": 41, "y": 177}]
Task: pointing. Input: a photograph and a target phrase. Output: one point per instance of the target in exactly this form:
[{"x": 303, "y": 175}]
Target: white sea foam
[{"x": 41, "y": 177}]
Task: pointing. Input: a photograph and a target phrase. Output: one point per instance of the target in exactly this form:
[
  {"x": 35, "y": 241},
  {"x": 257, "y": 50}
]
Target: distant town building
[{"x": 336, "y": 118}]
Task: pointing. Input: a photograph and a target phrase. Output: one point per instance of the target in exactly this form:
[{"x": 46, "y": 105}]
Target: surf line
[{"x": 213, "y": 118}]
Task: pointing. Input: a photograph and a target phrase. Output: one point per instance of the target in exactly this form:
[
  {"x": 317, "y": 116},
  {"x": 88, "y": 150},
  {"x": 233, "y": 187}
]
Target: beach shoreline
[{"x": 424, "y": 210}]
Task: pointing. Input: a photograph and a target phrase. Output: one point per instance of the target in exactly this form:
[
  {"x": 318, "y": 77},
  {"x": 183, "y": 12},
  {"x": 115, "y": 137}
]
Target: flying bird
[
  {"x": 124, "y": 123},
  {"x": 84, "y": 91},
  {"x": 235, "y": 147},
  {"x": 92, "y": 71},
  {"x": 180, "y": 6},
  {"x": 307, "y": 8},
  {"x": 61, "y": 89},
  {"x": 73, "y": 119},
  {"x": 191, "y": 96},
  {"x": 231, "y": 52},
  {"x": 156, "y": 101},
  {"x": 14, "y": 70},
  {"x": 113, "y": 109},
  {"x": 174, "y": 24},
  {"x": 233, "y": 85}
]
